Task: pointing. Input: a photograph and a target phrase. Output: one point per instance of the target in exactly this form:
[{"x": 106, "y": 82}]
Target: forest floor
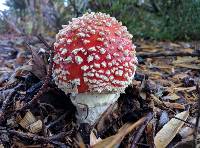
[{"x": 165, "y": 91}]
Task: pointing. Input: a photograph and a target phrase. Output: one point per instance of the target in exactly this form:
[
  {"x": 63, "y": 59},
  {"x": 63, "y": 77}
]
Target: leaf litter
[{"x": 35, "y": 113}]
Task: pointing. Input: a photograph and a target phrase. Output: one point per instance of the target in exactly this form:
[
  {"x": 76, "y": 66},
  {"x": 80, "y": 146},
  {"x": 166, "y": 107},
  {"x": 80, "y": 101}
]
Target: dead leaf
[
  {"x": 188, "y": 142},
  {"x": 180, "y": 76},
  {"x": 174, "y": 45},
  {"x": 19, "y": 104},
  {"x": 174, "y": 105},
  {"x": 188, "y": 89},
  {"x": 172, "y": 97},
  {"x": 38, "y": 65},
  {"x": 93, "y": 139},
  {"x": 187, "y": 59},
  {"x": 169, "y": 130},
  {"x": 115, "y": 140},
  {"x": 150, "y": 132},
  {"x": 191, "y": 66}
]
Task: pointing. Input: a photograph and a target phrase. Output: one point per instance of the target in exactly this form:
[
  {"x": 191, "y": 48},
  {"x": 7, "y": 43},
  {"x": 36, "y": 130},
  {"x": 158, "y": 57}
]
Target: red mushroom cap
[{"x": 94, "y": 53}]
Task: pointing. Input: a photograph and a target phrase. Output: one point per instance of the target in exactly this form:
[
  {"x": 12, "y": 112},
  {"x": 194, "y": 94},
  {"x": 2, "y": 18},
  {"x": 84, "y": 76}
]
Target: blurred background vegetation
[{"x": 149, "y": 19}]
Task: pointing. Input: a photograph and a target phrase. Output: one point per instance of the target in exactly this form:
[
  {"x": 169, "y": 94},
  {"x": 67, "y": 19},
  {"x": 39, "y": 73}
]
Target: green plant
[{"x": 170, "y": 19}]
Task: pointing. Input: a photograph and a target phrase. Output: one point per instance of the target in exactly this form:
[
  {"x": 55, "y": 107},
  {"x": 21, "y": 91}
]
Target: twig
[
  {"x": 141, "y": 130},
  {"x": 48, "y": 105},
  {"x": 41, "y": 38},
  {"x": 198, "y": 116},
  {"x": 35, "y": 137},
  {"x": 142, "y": 144},
  {"x": 9, "y": 86},
  {"x": 161, "y": 54},
  {"x": 44, "y": 87},
  {"x": 187, "y": 122},
  {"x": 5, "y": 105},
  {"x": 44, "y": 128},
  {"x": 58, "y": 120},
  {"x": 40, "y": 93}
]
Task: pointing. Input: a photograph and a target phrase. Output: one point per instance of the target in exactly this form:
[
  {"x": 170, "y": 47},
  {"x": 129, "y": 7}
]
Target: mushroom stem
[{"x": 90, "y": 106}]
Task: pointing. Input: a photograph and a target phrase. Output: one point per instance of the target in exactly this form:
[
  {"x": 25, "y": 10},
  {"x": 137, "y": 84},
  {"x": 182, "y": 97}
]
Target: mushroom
[{"x": 94, "y": 60}]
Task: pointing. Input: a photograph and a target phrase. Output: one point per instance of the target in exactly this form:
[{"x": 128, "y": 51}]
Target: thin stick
[
  {"x": 187, "y": 122},
  {"x": 58, "y": 120},
  {"x": 161, "y": 54},
  {"x": 9, "y": 86},
  {"x": 41, "y": 38},
  {"x": 5, "y": 105},
  {"x": 198, "y": 116}
]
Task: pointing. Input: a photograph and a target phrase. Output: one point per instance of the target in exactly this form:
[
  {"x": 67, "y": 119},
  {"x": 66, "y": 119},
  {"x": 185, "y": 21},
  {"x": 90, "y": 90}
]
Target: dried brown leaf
[
  {"x": 172, "y": 97},
  {"x": 150, "y": 132},
  {"x": 169, "y": 130},
  {"x": 38, "y": 65},
  {"x": 187, "y": 59},
  {"x": 174, "y": 105},
  {"x": 115, "y": 140},
  {"x": 93, "y": 139},
  {"x": 191, "y": 66}
]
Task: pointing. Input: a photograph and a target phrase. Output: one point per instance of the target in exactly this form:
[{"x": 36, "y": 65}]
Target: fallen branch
[{"x": 161, "y": 54}]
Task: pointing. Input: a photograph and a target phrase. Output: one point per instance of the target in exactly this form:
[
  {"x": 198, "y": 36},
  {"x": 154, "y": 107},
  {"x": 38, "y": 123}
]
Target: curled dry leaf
[
  {"x": 38, "y": 65},
  {"x": 35, "y": 127},
  {"x": 169, "y": 130},
  {"x": 28, "y": 119}
]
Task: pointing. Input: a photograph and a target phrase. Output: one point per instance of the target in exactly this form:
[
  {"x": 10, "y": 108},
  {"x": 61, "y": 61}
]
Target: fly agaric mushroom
[{"x": 94, "y": 60}]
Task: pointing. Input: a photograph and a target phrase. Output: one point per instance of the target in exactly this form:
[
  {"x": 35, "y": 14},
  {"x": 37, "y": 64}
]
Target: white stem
[{"x": 90, "y": 106}]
